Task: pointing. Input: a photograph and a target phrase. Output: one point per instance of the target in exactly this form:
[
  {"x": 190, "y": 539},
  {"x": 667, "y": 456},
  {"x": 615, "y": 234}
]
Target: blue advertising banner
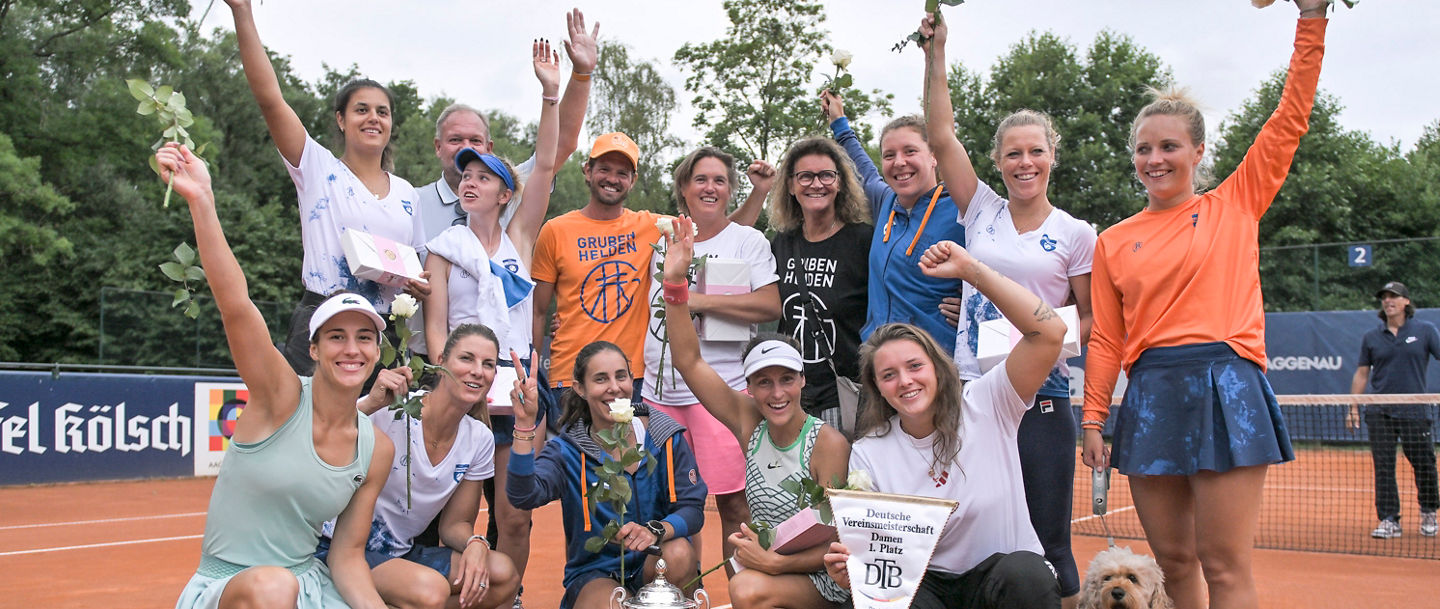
[
  {"x": 1316, "y": 352},
  {"x": 77, "y": 427}
]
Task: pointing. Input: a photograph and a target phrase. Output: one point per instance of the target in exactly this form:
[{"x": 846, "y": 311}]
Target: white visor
[
  {"x": 773, "y": 353},
  {"x": 341, "y": 303}
]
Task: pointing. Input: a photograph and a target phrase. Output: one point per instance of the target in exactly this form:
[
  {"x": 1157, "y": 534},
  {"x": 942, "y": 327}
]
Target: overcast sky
[{"x": 1381, "y": 59}]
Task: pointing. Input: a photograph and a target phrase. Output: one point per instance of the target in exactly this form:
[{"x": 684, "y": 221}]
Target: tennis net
[{"x": 1325, "y": 500}]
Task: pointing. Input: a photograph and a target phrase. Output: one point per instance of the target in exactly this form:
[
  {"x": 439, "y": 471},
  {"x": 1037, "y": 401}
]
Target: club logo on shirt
[
  {"x": 409, "y": 207},
  {"x": 1194, "y": 219},
  {"x": 603, "y": 294},
  {"x": 460, "y": 470},
  {"x": 511, "y": 265},
  {"x": 1046, "y": 243},
  {"x": 1137, "y": 246}
]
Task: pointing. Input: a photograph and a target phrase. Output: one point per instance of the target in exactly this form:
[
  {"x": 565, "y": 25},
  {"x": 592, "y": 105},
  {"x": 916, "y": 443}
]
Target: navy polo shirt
[{"x": 1397, "y": 362}]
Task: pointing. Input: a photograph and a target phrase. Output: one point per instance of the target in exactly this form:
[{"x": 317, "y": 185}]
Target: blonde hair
[
  {"x": 851, "y": 206},
  {"x": 1177, "y": 102},
  {"x": 1028, "y": 118}
]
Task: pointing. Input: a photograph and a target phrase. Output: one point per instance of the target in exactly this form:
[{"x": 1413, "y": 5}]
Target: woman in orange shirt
[{"x": 1177, "y": 303}]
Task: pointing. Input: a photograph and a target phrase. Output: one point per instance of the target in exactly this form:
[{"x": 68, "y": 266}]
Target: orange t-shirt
[
  {"x": 1190, "y": 274},
  {"x": 601, "y": 271}
]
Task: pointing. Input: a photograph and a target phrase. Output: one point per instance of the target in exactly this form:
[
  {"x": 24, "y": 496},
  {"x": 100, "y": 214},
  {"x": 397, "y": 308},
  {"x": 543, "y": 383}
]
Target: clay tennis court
[{"x": 124, "y": 545}]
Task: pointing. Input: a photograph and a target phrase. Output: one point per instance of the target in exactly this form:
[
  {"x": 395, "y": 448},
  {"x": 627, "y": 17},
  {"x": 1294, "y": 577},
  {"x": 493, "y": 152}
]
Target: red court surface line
[{"x": 151, "y": 574}]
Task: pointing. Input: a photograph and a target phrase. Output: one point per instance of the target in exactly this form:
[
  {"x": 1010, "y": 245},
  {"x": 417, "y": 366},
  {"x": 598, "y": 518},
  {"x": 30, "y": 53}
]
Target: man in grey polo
[{"x": 1393, "y": 358}]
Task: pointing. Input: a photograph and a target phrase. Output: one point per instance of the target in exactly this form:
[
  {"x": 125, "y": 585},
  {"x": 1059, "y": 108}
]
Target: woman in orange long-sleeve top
[{"x": 1176, "y": 296}]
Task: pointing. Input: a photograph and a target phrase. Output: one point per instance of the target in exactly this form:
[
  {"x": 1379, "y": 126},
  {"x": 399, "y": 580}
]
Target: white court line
[
  {"x": 100, "y": 545},
  {"x": 1093, "y": 516},
  {"x": 100, "y": 521}
]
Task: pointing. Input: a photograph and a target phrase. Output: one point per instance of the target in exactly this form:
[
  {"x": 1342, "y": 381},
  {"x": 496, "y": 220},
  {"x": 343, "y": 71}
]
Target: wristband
[
  {"x": 579, "y": 75},
  {"x": 551, "y": 99},
  {"x": 676, "y": 293},
  {"x": 479, "y": 538},
  {"x": 532, "y": 427},
  {"x": 526, "y": 437},
  {"x": 1093, "y": 424}
]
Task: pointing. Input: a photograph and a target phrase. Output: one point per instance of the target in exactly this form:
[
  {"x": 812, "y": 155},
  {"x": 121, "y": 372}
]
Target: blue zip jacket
[
  {"x": 565, "y": 469},
  {"x": 899, "y": 292}
]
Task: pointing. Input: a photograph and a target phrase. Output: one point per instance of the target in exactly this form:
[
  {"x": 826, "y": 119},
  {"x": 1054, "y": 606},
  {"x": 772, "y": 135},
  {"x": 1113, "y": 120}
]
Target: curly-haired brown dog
[{"x": 1121, "y": 579}]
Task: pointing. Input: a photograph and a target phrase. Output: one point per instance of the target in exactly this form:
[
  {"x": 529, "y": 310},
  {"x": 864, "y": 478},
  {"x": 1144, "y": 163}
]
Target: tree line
[{"x": 80, "y": 210}]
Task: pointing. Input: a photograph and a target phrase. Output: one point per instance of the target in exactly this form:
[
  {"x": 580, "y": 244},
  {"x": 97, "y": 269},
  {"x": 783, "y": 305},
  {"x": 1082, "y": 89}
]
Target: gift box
[
  {"x": 997, "y": 337},
  {"x": 379, "y": 259},
  {"x": 797, "y": 534},
  {"x": 498, "y": 400},
  {"x": 724, "y": 276}
]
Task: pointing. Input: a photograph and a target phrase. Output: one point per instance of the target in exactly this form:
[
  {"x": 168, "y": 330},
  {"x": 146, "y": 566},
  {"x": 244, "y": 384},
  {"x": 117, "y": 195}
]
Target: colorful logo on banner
[
  {"x": 225, "y": 406},
  {"x": 217, "y": 410}
]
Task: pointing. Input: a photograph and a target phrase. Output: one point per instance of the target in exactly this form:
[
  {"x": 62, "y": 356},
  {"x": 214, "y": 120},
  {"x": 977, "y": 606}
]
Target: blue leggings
[{"x": 1047, "y": 462}]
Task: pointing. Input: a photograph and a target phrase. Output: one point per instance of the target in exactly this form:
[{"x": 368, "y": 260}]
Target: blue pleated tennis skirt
[{"x": 1197, "y": 407}]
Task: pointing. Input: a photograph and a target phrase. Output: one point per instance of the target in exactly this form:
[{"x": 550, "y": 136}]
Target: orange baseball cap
[{"x": 616, "y": 142}]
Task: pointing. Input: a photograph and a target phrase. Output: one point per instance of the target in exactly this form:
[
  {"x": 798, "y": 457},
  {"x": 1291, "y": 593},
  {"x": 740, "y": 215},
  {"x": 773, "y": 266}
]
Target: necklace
[{"x": 939, "y": 479}]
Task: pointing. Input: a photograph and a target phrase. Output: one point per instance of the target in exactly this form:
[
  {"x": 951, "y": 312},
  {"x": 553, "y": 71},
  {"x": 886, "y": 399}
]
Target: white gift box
[
  {"x": 997, "y": 337},
  {"x": 498, "y": 400},
  {"x": 379, "y": 259},
  {"x": 724, "y": 276}
]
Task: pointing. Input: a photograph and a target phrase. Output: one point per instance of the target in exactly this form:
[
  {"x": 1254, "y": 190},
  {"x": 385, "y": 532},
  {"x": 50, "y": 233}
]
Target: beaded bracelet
[{"x": 481, "y": 539}]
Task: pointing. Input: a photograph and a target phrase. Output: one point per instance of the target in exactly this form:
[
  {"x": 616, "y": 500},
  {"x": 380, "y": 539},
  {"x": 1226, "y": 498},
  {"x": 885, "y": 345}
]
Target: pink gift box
[
  {"x": 801, "y": 532},
  {"x": 724, "y": 276},
  {"x": 379, "y": 259}
]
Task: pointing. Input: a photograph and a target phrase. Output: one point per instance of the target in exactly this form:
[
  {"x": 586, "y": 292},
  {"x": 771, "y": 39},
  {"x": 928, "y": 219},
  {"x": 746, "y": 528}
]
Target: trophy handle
[
  {"x": 700, "y": 595},
  {"x": 617, "y": 598}
]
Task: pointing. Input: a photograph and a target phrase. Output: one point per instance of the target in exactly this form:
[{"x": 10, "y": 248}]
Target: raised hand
[
  {"x": 547, "y": 66},
  {"x": 679, "y": 250},
  {"x": 525, "y": 395},
  {"x": 584, "y": 52},
  {"x": 185, "y": 171},
  {"x": 947, "y": 259},
  {"x": 933, "y": 32},
  {"x": 832, "y": 104},
  {"x": 762, "y": 176}
]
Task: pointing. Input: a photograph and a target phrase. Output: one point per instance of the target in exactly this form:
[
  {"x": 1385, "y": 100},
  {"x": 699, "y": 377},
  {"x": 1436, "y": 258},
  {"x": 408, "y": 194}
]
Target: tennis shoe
[
  {"x": 1388, "y": 529},
  {"x": 1428, "y": 526}
]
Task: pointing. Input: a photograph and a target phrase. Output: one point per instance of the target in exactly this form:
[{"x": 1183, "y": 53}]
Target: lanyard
[{"x": 923, "y": 220}]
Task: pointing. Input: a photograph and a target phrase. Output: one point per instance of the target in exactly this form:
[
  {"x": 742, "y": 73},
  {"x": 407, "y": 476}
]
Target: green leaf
[
  {"x": 417, "y": 368},
  {"x": 170, "y": 132},
  {"x": 139, "y": 89},
  {"x": 792, "y": 487},
  {"x": 826, "y": 515},
  {"x": 176, "y": 102},
  {"x": 595, "y": 544},
  {"x": 621, "y": 488},
  {"x": 613, "y": 467},
  {"x": 413, "y": 406},
  {"x": 387, "y": 354},
  {"x": 192, "y": 310},
  {"x": 154, "y": 164},
  {"x": 201, "y": 150},
  {"x": 163, "y": 93},
  {"x": 145, "y": 108},
  {"x": 194, "y": 273},
  {"x": 185, "y": 254},
  {"x": 659, "y": 313},
  {"x": 181, "y": 295},
  {"x": 630, "y": 458},
  {"x": 610, "y": 530},
  {"x": 844, "y": 81},
  {"x": 173, "y": 270},
  {"x": 650, "y": 464}
]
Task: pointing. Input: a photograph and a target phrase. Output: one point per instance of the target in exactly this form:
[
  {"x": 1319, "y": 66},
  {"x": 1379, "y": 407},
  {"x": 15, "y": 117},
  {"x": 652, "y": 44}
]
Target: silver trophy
[{"x": 658, "y": 594}]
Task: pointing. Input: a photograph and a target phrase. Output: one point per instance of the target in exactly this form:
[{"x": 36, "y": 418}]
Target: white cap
[
  {"x": 773, "y": 353},
  {"x": 341, "y": 303}
]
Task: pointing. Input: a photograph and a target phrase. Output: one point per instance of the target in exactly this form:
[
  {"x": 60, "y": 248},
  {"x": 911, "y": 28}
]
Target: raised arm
[
  {"x": 1262, "y": 172},
  {"x": 274, "y": 388},
  {"x": 762, "y": 180},
  {"x": 525, "y": 225},
  {"x": 1042, "y": 331},
  {"x": 954, "y": 162},
  {"x": 285, "y": 126},
  {"x": 584, "y": 56},
  {"x": 732, "y": 408},
  {"x": 876, "y": 190}
]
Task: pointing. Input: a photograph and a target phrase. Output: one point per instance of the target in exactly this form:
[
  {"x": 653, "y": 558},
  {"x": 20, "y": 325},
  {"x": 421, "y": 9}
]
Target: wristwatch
[{"x": 658, "y": 528}]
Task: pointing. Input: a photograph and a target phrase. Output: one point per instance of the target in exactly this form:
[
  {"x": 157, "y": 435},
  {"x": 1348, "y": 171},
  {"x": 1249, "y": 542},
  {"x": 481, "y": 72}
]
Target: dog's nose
[{"x": 1117, "y": 593}]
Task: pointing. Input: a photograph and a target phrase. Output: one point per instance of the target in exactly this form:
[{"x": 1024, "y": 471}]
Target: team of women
[{"x": 325, "y": 497}]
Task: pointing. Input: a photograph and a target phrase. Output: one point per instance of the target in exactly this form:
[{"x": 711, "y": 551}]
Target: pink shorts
[{"x": 722, "y": 462}]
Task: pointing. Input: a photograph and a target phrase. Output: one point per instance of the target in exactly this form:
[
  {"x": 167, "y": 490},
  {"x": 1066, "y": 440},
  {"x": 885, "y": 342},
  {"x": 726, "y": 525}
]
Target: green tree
[
  {"x": 630, "y": 96},
  {"x": 755, "y": 89},
  {"x": 1343, "y": 186},
  {"x": 1092, "y": 99}
]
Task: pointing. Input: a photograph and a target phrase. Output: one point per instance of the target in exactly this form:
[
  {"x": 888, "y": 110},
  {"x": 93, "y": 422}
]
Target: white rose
[
  {"x": 859, "y": 480},
  {"x": 404, "y": 306},
  {"x": 621, "y": 411},
  {"x": 841, "y": 58},
  {"x": 666, "y": 226}
]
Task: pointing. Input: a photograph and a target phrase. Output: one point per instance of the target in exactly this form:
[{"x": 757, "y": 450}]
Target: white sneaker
[
  {"x": 1388, "y": 529},
  {"x": 1428, "y": 527}
]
